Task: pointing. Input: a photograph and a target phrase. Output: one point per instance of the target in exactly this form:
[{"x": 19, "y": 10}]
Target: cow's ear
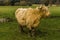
[{"x": 40, "y": 8}]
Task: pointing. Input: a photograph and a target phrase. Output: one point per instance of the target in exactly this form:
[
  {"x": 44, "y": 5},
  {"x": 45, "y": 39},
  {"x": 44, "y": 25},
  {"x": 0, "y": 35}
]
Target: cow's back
[{"x": 20, "y": 15}]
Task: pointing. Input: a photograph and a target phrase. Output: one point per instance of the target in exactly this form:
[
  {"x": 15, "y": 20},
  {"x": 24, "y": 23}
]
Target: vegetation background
[
  {"x": 49, "y": 27},
  {"x": 27, "y": 2}
]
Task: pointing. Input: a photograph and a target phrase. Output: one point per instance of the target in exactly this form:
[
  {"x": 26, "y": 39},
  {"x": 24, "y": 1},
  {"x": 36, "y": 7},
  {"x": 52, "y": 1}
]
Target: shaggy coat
[{"x": 31, "y": 17}]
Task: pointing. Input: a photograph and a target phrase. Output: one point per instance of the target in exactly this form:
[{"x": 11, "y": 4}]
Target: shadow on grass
[
  {"x": 54, "y": 17},
  {"x": 41, "y": 33},
  {"x": 37, "y": 33}
]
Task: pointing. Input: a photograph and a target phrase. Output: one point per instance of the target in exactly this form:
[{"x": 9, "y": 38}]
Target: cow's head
[{"x": 44, "y": 10}]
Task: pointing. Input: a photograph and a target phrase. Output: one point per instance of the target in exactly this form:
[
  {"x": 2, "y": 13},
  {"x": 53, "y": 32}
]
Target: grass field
[{"x": 49, "y": 27}]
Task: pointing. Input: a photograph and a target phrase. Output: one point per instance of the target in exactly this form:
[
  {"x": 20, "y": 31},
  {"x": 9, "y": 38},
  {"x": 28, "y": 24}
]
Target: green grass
[{"x": 50, "y": 27}]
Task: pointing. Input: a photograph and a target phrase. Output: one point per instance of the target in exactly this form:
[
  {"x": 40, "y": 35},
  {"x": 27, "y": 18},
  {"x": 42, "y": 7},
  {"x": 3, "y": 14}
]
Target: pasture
[{"x": 49, "y": 29}]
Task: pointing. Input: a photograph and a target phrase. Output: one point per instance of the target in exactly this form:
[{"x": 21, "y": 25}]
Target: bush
[
  {"x": 23, "y": 3},
  {"x": 46, "y": 3},
  {"x": 1, "y": 3},
  {"x": 6, "y": 2},
  {"x": 17, "y": 4},
  {"x": 29, "y": 4}
]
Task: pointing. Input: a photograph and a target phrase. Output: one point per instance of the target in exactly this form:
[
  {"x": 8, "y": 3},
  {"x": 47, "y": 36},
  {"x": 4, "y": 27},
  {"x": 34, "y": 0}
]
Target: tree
[
  {"x": 6, "y": 2},
  {"x": 53, "y": 1},
  {"x": 46, "y": 3},
  {"x": 12, "y": 2}
]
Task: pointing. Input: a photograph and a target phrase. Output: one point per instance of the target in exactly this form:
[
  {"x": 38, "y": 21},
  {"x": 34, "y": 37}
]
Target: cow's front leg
[
  {"x": 33, "y": 32},
  {"x": 21, "y": 28}
]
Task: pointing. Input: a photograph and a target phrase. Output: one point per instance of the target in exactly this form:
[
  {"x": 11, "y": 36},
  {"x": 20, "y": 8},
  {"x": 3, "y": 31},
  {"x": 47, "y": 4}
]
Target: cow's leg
[
  {"x": 29, "y": 32},
  {"x": 21, "y": 28},
  {"x": 33, "y": 31}
]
